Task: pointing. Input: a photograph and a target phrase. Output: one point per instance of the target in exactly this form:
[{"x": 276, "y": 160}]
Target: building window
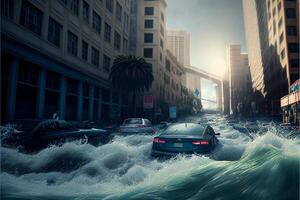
[
  {"x": 282, "y": 54},
  {"x": 31, "y": 17},
  {"x": 148, "y": 52},
  {"x": 86, "y": 11},
  {"x": 95, "y": 57},
  {"x": 54, "y": 32},
  {"x": 71, "y": 99},
  {"x": 84, "y": 50},
  {"x": 119, "y": 12},
  {"x": 281, "y": 38},
  {"x": 72, "y": 43},
  {"x": 290, "y": 13},
  {"x": 96, "y": 22},
  {"x": 291, "y": 30},
  {"x": 125, "y": 45},
  {"x": 149, "y": 11},
  {"x": 107, "y": 33},
  {"x": 51, "y": 93},
  {"x": 279, "y": 6},
  {"x": 274, "y": 28},
  {"x": 7, "y": 8},
  {"x": 160, "y": 57},
  {"x": 148, "y": 23},
  {"x": 293, "y": 47},
  {"x": 26, "y": 90},
  {"x": 294, "y": 63},
  {"x": 274, "y": 12},
  {"x": 126, "y": 21},
  {"x": 168, "y": 65},
  {"x": 109, "y": 5},
  {"x": 280, "y": 22},
  {"x": 162, "y": 17},
  {"x": 162, "y": 31},
  {"x": 106, "y": 63},
  {"x": 74, "y": 7},
  {"x": 117, "y": 41},
  {"x": 161, "y": 43},
  {"x": 148, "y": 37}
]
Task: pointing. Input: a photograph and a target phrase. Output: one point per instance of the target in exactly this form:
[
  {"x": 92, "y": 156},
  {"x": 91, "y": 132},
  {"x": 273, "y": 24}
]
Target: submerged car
[
  {"x": 137, "y": 125},
  {"x": 187, "y": 138},
  {"x": 50, "y": 132}
]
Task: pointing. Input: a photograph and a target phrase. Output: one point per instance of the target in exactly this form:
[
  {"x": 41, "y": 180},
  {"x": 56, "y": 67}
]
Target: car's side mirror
[{"x": 217, "y": 133}]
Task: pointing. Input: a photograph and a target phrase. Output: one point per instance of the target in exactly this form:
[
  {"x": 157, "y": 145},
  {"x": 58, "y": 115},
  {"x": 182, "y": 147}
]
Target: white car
[{"x": 137, "y": 125}]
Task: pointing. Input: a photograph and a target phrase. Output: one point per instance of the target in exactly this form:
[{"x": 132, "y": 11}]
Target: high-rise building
[
  {"x": 148, "y": 40},
  {"x": 172, "y": 86},
  {"x": 272, "y": 34},
  {"x": 239, "y": 78},
  {"x": 148, "y": 36},
  {"x": 178, "y": 42},
  {"x": 56, "y": 57}
]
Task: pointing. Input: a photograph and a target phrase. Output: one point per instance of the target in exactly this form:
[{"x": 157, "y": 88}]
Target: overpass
[{"x": 193, "y": 81}]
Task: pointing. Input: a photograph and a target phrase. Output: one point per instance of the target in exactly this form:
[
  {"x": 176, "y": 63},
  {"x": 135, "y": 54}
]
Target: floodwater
[{"x": 244, "y": 166}]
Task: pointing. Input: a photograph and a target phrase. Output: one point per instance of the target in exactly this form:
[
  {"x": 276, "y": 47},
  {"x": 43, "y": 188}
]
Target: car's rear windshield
[
  {"x": 133, "y": 121},
  {"x": 185, "y": 129}
]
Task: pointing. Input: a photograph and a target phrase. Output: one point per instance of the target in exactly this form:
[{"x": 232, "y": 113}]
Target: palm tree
[{"x": 131, "y": 75}]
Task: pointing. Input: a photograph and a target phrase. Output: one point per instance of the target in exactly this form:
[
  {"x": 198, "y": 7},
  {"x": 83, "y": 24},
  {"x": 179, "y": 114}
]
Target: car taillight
[
  {"x": 200, "y": 143},
  {"x": 157, "y": 140},
  {"x": 141, "y": 126}
]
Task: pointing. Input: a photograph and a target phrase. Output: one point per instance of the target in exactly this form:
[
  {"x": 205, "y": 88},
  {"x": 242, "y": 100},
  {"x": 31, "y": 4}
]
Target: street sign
[
  {"x": 295, "y": 86},
  {"x": 196, "y": 93},
  {"x": 148, "y": 101},
  {"x": 172, "y": 112}
]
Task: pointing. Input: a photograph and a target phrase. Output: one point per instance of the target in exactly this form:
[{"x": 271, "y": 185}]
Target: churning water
[{"x": 266, "y": 167}]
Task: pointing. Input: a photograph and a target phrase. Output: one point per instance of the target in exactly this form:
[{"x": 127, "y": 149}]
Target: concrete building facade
[
  {"x": 239, "y": 79},
  {"x": 56, "y": 57},
  {"x": 178, "y": 42},
  {"x": 148, "y": 39},
  {"x": 272, "y": 34},
  {"x": 172, "y": 86}
]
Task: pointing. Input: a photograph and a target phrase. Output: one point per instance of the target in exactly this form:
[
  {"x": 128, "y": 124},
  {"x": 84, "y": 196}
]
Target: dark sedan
[
  {"x": 50, "y": 132},
  {"x": 187, "y": 138}
]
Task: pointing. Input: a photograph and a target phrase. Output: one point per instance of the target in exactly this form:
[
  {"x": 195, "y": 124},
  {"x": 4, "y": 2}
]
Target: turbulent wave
[{"x": 240, "y": 168}]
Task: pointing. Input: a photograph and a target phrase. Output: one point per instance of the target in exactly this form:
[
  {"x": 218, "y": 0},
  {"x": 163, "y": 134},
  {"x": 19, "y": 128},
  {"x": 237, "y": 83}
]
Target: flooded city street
[
  {"x": 150, "y": 100},
  {"x": 260, "y": 165}
]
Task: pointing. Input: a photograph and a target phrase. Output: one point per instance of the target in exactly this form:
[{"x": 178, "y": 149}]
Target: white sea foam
[{"x": 124, "y": 169}]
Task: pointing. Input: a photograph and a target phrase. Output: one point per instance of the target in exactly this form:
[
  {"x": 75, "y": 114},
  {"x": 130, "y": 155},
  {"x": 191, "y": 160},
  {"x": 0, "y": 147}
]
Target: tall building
[
  {"x": 148, "y": 40},
  {"x": 172, "y": 86},
  {"x": 56, "y": 57},
  {"x": 239, "y": 78},
  {"x": 272, "y": 34},
  {"x": 178, "y": 42}
]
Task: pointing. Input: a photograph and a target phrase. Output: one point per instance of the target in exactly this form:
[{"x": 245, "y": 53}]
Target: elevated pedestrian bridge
[{"x": 193, "y": 82}]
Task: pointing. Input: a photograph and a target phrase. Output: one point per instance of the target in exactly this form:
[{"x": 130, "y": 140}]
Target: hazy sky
[{"x": 212, "y": 24}]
